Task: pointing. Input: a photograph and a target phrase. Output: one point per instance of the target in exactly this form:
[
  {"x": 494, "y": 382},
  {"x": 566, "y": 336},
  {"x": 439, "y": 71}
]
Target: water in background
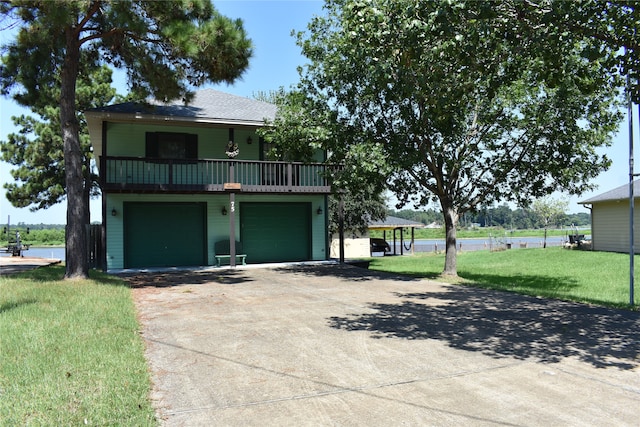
[
  {"x": 437, "y": 245},
  {"x": 55, "y": 253}
]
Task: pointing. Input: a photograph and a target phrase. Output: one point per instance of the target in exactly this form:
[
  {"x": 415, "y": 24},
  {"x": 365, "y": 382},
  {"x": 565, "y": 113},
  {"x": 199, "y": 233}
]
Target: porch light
[
  {"x": 114, "y": 212},
  {"x": 319, "y": 211},
  {"x": 249, "y": 140},
  {"x": 224, "y": 210}
]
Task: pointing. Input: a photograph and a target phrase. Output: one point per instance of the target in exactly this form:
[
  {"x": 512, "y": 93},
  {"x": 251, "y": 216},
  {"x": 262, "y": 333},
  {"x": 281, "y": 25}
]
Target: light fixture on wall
[
  {"x": 249, "y": 140},
  {"x": 319, "y": 211},
  {"x": 114, "y": 212},
  {"x": 224, "y": 210}
]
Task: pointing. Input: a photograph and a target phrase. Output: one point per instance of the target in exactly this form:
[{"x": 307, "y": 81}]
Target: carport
[{"x": 392, "y": 223}]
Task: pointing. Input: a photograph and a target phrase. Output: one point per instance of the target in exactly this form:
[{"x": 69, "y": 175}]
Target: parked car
[{"x": 379, "y": 245}]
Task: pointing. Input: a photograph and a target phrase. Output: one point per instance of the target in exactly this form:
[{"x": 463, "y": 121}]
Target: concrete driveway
[{"x": 331, "y": 345}]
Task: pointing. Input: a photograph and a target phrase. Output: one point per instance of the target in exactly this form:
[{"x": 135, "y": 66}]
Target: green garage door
[
  {"x": 276, "y": 232},
  {"x": 164, "y": 234}
]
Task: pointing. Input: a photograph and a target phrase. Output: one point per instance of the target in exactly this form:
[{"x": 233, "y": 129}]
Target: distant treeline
[
  {"x": 34, "y": 234},
  {"x": 23, "y": 226},
  {"x": 501, "y": 216}
]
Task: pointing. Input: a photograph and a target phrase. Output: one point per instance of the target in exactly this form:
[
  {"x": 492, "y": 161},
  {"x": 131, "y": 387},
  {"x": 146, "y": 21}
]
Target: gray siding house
[{"x": 610, "y": 219}]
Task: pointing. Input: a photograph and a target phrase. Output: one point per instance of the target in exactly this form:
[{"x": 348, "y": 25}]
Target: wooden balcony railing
[{"x": 134, "y": 174}]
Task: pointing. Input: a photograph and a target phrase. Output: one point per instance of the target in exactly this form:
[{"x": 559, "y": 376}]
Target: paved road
[{"x": 341, "y": 346}]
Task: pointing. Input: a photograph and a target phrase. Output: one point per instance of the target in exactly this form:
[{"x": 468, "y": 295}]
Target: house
[
  {"x": 610, "y": 219},
  {"x": 179, "y": 179}
]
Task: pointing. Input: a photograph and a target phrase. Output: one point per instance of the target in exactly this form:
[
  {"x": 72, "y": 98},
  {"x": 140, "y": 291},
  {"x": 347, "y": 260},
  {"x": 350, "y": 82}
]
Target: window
[{"x": 171, "y": 145}]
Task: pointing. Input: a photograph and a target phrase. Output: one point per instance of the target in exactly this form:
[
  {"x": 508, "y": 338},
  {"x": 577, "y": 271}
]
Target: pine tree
[{"x": 165, "y": 47}]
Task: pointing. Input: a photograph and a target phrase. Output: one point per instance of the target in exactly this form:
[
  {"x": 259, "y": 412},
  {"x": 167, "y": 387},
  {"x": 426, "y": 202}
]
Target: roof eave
[{"x": 154, "y": 118}]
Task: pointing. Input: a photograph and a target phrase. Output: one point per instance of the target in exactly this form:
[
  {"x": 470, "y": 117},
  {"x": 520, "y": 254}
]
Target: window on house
[{"x": 172, "y": 145}]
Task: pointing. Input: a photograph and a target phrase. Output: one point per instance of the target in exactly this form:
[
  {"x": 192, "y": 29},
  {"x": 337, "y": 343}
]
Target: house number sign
[{"x": 233, "y": 206}]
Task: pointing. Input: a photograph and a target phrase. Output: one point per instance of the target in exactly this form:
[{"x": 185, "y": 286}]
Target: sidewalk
[{"x": 13, "y": 265}]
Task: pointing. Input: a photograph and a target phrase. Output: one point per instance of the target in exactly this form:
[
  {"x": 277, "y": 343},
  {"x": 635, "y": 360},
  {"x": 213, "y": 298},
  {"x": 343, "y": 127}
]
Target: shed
[
  {"x": 392, "y": 223},
  {"x": 610, "y": 219}
]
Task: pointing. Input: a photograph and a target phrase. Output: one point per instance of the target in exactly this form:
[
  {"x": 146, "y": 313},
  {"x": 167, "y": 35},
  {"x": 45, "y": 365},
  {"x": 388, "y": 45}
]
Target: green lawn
[
  {"x": 590, "y": 277},
  {"x": 70, "y": 352}
]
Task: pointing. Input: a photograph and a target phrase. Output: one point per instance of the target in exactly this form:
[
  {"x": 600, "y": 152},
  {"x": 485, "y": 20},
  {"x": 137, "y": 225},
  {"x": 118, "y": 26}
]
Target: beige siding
[
  {"x": 217, "y": 224},
  {"x": 610, "y": 227},
  {"x": 355, "y": 245}
]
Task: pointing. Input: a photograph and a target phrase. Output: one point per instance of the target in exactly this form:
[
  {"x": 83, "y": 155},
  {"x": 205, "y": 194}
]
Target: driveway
[{"x": 331, "y": 345}]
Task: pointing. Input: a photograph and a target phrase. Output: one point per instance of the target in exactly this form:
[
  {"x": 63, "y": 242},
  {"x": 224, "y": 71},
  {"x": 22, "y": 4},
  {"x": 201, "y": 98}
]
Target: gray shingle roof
[
  {"x": 395, "y": 222},
  {"x": 207, "y": 104},
  {"x": 620, "y": 193}
]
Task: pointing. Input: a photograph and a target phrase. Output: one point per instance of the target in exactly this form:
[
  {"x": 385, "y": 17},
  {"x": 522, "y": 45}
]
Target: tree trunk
[
  {"x": 544, "y": 245},
  {"x": 451, "y": 255},
  {"x": 76, "y": 243}
]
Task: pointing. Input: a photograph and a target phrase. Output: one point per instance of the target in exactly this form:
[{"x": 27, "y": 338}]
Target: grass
[
  {"x": 71, "y": 353},
  {"x": 600, "y": 278}
]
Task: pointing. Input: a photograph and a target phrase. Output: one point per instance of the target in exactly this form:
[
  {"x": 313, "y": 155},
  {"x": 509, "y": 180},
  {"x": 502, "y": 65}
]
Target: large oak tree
[
  {"x": 470, "y": 102},
  {"x": 165, "y": 47}
]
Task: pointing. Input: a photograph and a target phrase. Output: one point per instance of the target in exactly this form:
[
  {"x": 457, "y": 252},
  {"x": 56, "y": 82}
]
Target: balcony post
[
  {"x": 341, "y": 224},
  {"x": 232, "y": 152}
]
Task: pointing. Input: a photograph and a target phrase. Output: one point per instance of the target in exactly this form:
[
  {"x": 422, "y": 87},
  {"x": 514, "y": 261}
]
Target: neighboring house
[
  {"x": 610, "y": 214},
  {"x": 435, "y": 225},
  {"x": 170, "y": 191}
]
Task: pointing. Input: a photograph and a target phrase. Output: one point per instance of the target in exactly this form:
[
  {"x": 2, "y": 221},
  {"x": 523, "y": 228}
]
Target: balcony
[{"x": 145, "y": 175}]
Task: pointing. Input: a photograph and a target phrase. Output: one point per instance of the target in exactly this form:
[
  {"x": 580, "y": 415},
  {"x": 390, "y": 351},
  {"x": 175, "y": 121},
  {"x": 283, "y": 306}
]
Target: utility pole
[{"x": 631, "y": 197}]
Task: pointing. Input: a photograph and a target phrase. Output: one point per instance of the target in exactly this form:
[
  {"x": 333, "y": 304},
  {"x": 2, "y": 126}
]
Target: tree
[
  {"x": 39, "y": 176},
  {"x": 299, "y": 135},
  {"x": 549, "y": 211},
  {"x": 468, "y": 105},
  {"x": 166, "y": 47},
  {"x": 607, "y": 30}
]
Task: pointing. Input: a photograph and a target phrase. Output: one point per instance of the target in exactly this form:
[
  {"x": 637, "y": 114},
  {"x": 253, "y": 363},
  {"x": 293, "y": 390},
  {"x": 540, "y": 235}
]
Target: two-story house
[{"x": 177, "y": 179}]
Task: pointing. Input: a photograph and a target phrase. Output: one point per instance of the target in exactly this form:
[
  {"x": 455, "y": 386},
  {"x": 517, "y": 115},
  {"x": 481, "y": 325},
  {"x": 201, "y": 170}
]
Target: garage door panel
[
  {"x": 276, "y": 232},
  {"x": 164, "y": 234}
]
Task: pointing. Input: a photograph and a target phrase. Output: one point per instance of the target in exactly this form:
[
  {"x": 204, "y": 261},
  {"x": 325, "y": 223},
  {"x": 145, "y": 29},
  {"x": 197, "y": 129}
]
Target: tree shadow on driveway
[
  {"x": 502, "y": 324},
  {"x": 181, "y": 278},
  {"x": 344, "y": 271}
]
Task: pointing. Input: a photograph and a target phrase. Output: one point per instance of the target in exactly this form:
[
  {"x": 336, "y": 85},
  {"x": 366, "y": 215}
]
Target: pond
[
  {"x": 430, "y": 245},
  {"x": 43, "y": 252}
]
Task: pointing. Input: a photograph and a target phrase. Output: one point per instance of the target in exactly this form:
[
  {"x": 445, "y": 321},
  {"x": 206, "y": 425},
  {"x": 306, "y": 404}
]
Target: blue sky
[{"x": 276, "y": 57}]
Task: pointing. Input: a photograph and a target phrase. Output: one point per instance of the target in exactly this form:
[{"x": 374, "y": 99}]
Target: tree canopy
[
  {"x": 299, "y": 135},
  {"x": 166, "y": 48},
  {"x": 467, "y": 103}
]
